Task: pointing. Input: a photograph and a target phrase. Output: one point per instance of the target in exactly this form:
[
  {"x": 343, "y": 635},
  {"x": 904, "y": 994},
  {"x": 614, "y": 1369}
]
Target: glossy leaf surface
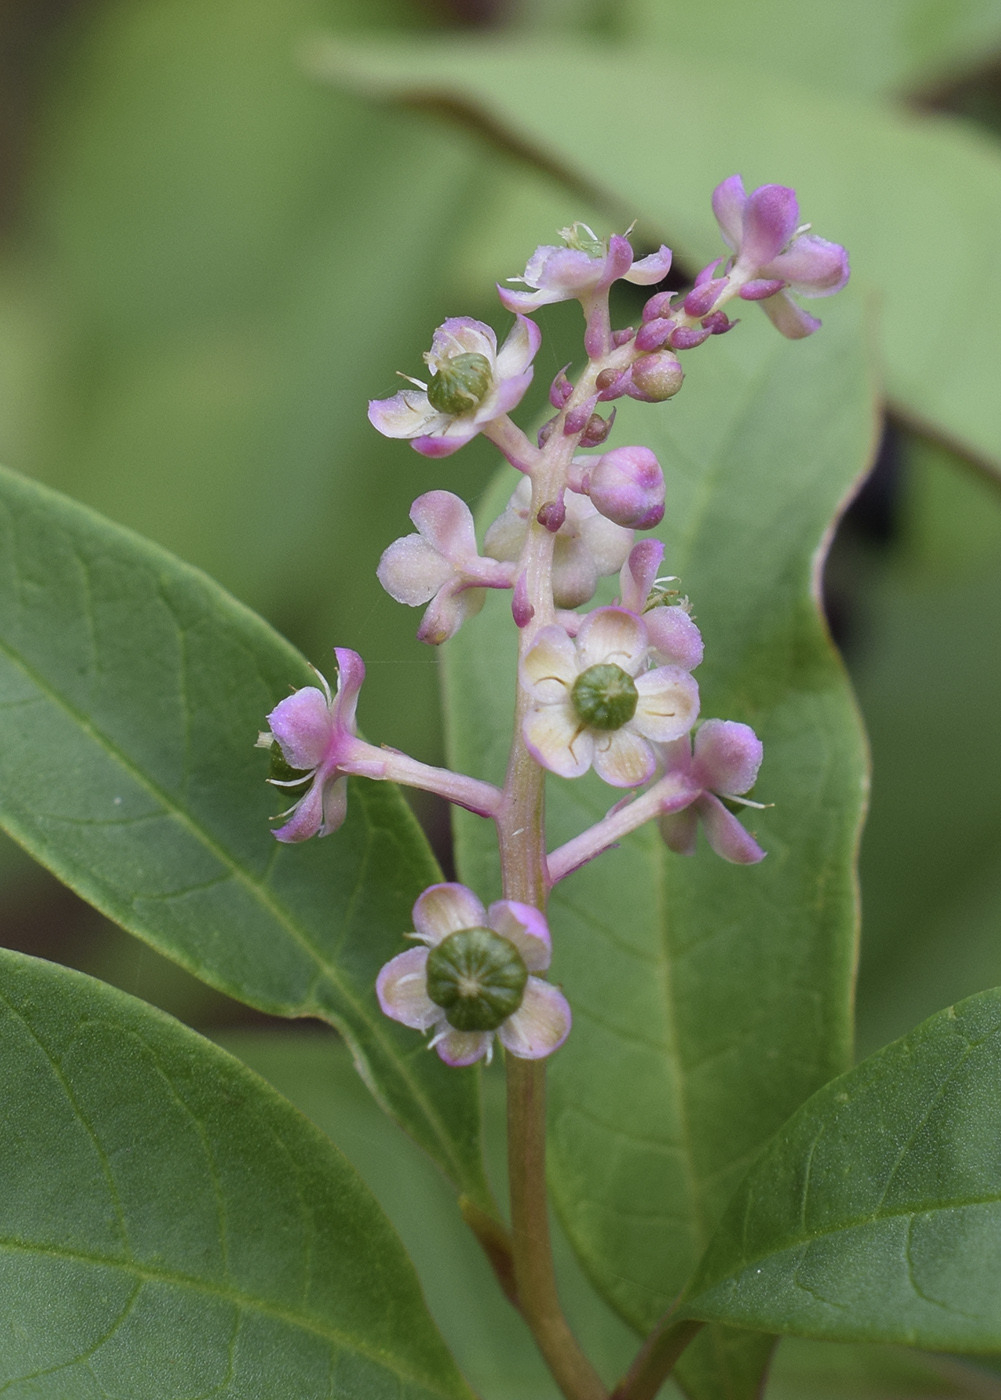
[
  {"x": 655, "y": 134},
  {"x": 875, "y": 1214},
  {"x": 133, "y": 689},
  {"x": 707, "y": 998},
  {"x": 189, "y": 1233}
]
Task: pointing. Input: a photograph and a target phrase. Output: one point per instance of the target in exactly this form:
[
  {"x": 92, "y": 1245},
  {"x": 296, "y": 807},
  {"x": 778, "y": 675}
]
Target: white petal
[
  {"x": 550, "y": 667},
  {"x": 556, "y": 739},
  {"x": 458, "y": 1048},
  {"x": 447, "y": 908},
  {"x": 402, "y": 990},
  {"x": 612, "y": 635},
  {"x": 446, "y": 522},
  {"x": 609, "y": 543},
  {"x": 540, "y": 1025},
  {"x": 668, "y": 703},
  {"x": 575, "y": 574},
  {"x": 412, "y": 571},
  {"x": 461, "y": 335},
  {"x": 623, "y": 758},
  {"x": 519, "y": 349},
  {"x": 407, "y": 414}
]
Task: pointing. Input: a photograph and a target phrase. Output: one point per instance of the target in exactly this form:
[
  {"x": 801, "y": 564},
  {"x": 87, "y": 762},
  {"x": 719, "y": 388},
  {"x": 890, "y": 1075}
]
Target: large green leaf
[
  {"x": 875, "y": 1214},
  {"x": 708, "y": 1000},
  {"x": 133, "y": 688},
  {"x": 917, "y": 200},
  {"x": 171, "y": 1227}
]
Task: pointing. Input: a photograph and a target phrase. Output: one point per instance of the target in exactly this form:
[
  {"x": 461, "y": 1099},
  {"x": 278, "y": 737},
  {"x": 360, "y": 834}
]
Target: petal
[
  {"x": 505, "y": 538},
  {"x": 787, "y": 317},
  {"x": 458, "y": 1048},
  {"x": 307, "y": 816},
  {"x": 451, "y": 607},
  {"x": 725, "y": 834},
  {"x": 350, "y": 675},
  {"x": 674, "y": 636},
  {"x": 609, "y": 544},
  {"x": 406, "y": 415},
  {"x": 303, "y": 724},
  {"x": 519, "y": 349},
  {"x": 567, "y": 270},
  {"x": 612, "y": 635},
  {"x": 461, "y": 335},
  {"x": 639, "y": 573},
  {"x": 575, "y": 573},
  {"x": 549, "y": 668},
  {"x": 520, "y": 302},
  {"x": 335, "y": 804},
  {"x": 453, "y": 434},
  {"x": 540, "y": 1025},
  {"x": 555, "y": 738},
  {"x": 447, "y": 908},
  {"x": 402, "y": 990},
  {"x": 412, "y": 571},
  {"x": 770, "y": 218},
  {"x": 727, "y": 756},
  {"x": 729, "y": 200},
  {"x": 446, "y": 522},
  {"x": 668, "y": 703},
  {"x": 623, "y": 759},
  {"x": 813, "y": 267},
  {"x": 526, "y": 928},
  {"x": 653, "y": 268},
  {"x": 679, "y": 830},
  {"x": 508, "y": 395}
]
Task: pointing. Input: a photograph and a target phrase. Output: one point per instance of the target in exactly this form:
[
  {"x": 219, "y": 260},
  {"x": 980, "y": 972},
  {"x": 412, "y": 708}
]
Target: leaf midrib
[
  {"x": 146, "y": 1274},
  {"x": 282, "y": 918}
]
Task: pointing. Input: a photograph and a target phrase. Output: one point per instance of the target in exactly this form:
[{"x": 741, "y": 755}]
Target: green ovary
[
  {"x": 477, "y": 978},
  {"x": 605, "y": 696},
  {"x": 461, "y": 384}
]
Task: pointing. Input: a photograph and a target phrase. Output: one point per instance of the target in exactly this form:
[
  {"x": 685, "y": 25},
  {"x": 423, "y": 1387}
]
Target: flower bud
[
  {"x": 477, "y": 977},
  {"x": 627, "y": 486},
  {"x": 461, "y": 383},
  {"x": 658, "y": 307},
  {"x": 597, "y": 430},
  {"x": 701, "y": 299},
  {"x": 652, "y": 334},
  {"x": 659, "y": 376},
  {"x": 686, "y": 338}
]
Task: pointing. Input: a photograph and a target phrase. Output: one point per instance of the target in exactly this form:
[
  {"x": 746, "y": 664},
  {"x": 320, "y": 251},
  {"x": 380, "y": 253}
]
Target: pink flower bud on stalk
[{"x": 626, "y": 485}]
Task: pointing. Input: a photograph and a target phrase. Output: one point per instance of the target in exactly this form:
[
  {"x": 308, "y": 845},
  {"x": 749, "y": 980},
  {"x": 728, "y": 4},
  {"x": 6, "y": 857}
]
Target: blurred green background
[{"x": 210, "y": 261}]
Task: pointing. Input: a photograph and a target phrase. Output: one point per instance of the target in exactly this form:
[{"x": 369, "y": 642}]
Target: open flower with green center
[
  {"x": 592, "y": 701},
  {"x": 473, "y": 979},
  {"x": 472, "y": 382}
]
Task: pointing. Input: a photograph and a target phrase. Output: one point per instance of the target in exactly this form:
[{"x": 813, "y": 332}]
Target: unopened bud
[
  {"x": 686, "y": 338},
  {"x": 658, "y": 307},
  {"x": 560, "y": 389},
  {"x": 718, "y": 323},
  {"x": 597, "y": 430},
  {"x": 461, "y": 384},
  {"x": 627, "y": 486},
  {"x": 659, "y": 376},
  {"x": 652, "y": 334}
]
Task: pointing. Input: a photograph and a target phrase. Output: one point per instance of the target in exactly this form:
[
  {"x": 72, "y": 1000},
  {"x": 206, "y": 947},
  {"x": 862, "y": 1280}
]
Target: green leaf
[
  {"x": 171, "y": 1227},
  {"x": 875, "y": 1214},
  {"x": 916, "y": 199},
  {"x": 849, "y": 44},
  {"x": 708, "y": 1000},
  {"x": 840, "y": 1371},
  {"x": 134, "y": 688}
]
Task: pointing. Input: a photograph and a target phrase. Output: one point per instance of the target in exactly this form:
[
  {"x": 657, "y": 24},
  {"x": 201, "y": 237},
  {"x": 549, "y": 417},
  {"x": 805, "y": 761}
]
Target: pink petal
[
  {"x": 680, "y": 830},
  {"x": 653, "y": 268},
  {"x": 446, "y": 522},
  {"x": 668, "y": 703},
  {"x": 335, "y": 804},
  {"x": 787, "y": 317},
  {"x": 462, "y": 335},
  {"x": 729, "y": 200},
  {"x": 526, "y": 928},
  {"x": 519, "y": 349},
  {"x": 508, "y": 394},
  {"x": 725, "y": 834},
  {"x": 447, "y": 908},
  {"x": 520, "y": 302},
  {"x": 455, "y": 434},
  {"x": 350, "y": 675},
  {"x": 402, "y": 990},
  {"x": 554, "y": 737},
  {"x": 406, "y": 415},
  {"x": 623, "y": 758},
  {"x": 639, "y": 573},
  {"x": 412, "y": 571},
  {"x": 770, "y": 218},
  {"x": 813, "y": 266},
  {"x": 307, "y": 816},
  {"x": 540, "y": 1025},
  {"x": 674, "y": 636},
  {"x": 451, "y": 607},
  {"x": 458, "y": 1048},
  {"x": 303, "y": 724},
  {"x": 727, "y": 756},
  {"x": 612, "y": 635}
]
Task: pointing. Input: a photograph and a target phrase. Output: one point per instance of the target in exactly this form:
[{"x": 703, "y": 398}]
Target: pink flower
[
  {"x": 773, "y": 252},
  {"x": 441, "y": 565},
  {"x": 583, "y": 268},
  {"x": 587, "y": 548},
  {"x": 725, "y": 761},
  {"x": 593, "y": 703},
  {"x": 473, "y": 979},
  {"x": 472, "y": 382},
  {"x": 674, "y": 637},
  {"x": 316, "y": 733}
]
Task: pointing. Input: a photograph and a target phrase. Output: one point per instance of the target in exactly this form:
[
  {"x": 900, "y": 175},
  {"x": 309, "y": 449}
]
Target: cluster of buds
[{"x": 611, "y": 689}]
